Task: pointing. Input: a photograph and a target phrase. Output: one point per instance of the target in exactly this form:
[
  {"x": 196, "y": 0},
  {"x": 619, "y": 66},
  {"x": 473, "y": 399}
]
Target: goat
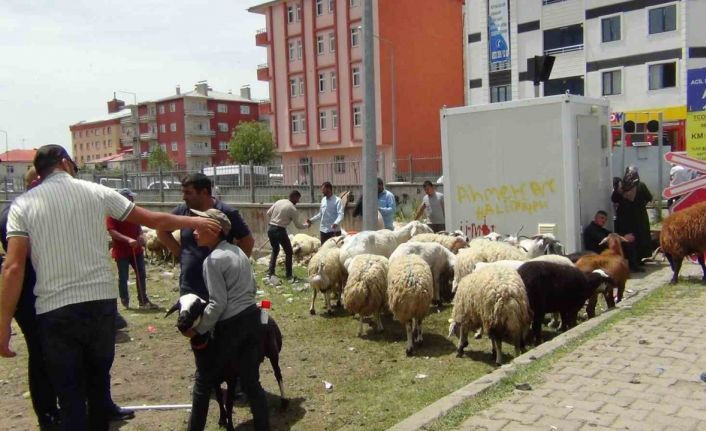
[{"x": 612, "y": 261}]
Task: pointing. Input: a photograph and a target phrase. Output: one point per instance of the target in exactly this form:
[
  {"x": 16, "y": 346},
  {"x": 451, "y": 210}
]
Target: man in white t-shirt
[{"x": 433, "y": 205}]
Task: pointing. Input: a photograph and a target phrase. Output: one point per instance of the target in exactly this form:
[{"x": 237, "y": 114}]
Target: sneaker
[
  {"x": 121, "y": 414},
  {"x": 120, "y": 322},
  {"x": 149, "y": 306}
]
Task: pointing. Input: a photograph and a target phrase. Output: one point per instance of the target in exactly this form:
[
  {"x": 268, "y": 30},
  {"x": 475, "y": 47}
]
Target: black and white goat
[{"x": 191, "y": 308}]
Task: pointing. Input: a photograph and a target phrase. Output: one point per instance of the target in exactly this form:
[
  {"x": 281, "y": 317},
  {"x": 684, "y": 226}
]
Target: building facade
[
  {"x": 15, "y": 163},
  {"x": 634, "y": 53},
  {"x": 315, "y": 74},
  {"x": 194, "y": 128},
  {"x": 99, "y": 137}
]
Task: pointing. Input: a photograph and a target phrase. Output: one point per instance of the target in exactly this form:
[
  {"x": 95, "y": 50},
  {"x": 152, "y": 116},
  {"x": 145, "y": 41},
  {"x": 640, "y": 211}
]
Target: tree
[
  {"x": 159, "y": 159},
  {"x": 251, "y": 141}
]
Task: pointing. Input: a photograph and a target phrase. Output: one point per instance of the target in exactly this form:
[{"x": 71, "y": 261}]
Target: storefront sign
[
  {"x": 696, "y": 90},
  {"x": 696, "y": 134}
]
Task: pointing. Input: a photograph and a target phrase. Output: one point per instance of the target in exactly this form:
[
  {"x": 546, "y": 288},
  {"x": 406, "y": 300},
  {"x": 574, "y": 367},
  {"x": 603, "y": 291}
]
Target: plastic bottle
[{"x": 264, "y": 306}]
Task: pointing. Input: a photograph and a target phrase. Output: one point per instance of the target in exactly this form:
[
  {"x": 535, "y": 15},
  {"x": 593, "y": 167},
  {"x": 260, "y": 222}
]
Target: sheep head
[
  {"x": 190, "y": 309},
  {"x": 614, "y": 242}
]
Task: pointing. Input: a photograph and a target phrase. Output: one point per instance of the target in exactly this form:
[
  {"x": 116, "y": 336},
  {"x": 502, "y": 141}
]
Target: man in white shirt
[
  {"x": 76, "y": 296},
  {"x": 433, "y": 203},
  {"x": 282, "y": 213},
  {"x": 331, "y": 214}
]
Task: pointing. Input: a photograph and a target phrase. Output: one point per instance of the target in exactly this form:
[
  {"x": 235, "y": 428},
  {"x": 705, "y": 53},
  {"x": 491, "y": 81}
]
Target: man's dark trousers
[
  {"x": 323, "y": 236},
  {"x": 278, "y": 237},
  {"x": 78, "y": 341}
]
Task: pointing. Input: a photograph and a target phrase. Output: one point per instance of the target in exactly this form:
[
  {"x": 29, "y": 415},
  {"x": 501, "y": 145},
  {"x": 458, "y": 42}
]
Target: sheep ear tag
[{"x": 174, "y": 308}]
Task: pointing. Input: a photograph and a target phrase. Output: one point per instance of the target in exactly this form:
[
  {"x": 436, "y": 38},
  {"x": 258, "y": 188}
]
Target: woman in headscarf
[{"x": 631, "y": 197}]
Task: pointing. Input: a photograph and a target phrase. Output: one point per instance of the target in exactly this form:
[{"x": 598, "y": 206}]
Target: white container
[{"x": 536, "y": 164}]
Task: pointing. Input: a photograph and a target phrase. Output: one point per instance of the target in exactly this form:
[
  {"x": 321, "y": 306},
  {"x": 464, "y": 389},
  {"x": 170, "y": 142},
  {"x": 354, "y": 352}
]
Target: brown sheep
[
  {"x": 684, "y": 234},
  {"x": 613, "y": 262}
]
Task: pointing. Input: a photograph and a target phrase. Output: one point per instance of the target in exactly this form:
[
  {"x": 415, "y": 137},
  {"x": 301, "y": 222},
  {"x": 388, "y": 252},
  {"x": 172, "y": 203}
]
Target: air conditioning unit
[{"x": 544, "y": 228}]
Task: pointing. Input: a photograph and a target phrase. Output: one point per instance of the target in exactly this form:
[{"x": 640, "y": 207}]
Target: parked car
[
  {"x": 166, "y": 185},
  {"x": 115, "y": 183}
]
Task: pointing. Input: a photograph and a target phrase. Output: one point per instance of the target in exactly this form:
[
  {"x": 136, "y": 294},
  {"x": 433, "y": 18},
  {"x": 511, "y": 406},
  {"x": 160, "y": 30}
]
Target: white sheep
[
  {"x": 409, "y": 294},
  {"x": 465, "y": 264},
  {"x": 453, "y": 243},
  {"x": 440, "y": 260},
  {"x": 538, "y": 245},
  {"x": 494, "y": 299},
  {"x": 304, "y": 245},
  {"x": 380, "y": 242},
  {"x": 335, "y": 242},
  {"x": 484, "y": 250},
  {"x": 365, "y": 293},
  {"x": 326, "y": 275}
]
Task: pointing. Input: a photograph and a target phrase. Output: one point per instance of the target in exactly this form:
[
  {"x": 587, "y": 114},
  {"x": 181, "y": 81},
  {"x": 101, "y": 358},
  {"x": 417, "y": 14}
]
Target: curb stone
[{"x": 642, "y": 287}]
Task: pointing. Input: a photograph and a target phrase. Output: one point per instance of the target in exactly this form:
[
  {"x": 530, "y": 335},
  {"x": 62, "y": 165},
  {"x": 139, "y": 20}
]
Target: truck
[{"x": 529, "y": 166}]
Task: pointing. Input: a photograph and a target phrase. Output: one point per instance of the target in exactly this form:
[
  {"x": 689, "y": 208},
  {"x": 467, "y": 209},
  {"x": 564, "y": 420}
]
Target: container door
[{"x": 591, "y": 165}]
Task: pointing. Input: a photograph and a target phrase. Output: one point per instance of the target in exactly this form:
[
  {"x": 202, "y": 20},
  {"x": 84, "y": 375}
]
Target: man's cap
[
  {"x": 216, "y": 215},
  {"x": 127, "y": 193},
  {"x": 49, "y": 156}
]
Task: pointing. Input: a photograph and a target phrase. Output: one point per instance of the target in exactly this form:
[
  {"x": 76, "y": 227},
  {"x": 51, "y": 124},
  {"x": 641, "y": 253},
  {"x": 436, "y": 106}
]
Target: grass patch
[{"x": 533, "y": 373}]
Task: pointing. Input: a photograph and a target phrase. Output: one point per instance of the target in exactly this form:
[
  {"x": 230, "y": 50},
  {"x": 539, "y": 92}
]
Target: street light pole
[
  {"x": 370, "y": 204},
  {"x": 136, "y": 138},
  {"x": 393, "y": 96},
  {"x": 7, "y": 151}
]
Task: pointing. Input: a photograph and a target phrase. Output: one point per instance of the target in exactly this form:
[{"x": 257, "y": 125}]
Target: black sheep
[{"x": 556, "y": 288}]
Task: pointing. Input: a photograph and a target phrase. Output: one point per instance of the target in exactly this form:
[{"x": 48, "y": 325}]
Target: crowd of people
[{"x": 58, "y": 287}]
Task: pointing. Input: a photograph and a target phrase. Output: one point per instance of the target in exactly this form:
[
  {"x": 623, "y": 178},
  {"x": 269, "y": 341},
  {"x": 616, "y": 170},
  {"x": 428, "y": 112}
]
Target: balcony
[
  {"x": 563, "y": 49},
  {"x": 263, "y": 72},
  {"x": 127, "y": 141},
  {"x": 148, "y": 136},
  {"x": 201, "y": 132},
  {"x": 147, "y": 118},
  {"x": 265, "y": 107},
  {"x": 197, "y": 112},
  {"x": 200, "y": 151},
  {"x": 261, "y": 37},
  {"x": 127, "y": 120}
]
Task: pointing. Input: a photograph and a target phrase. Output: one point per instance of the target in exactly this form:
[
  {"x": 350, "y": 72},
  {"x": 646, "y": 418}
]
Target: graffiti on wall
[{"x": 526, "y": 197}]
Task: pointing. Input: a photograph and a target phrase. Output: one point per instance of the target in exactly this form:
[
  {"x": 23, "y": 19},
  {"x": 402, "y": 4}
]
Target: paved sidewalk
[{"x": 643, "y": 374}]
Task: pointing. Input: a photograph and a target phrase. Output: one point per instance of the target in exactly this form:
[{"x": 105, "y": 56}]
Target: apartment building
[
  {"x": 16, "y": 162},
  {"x": 315, "y": 74},
  {"x": 194, "y": 127},
  {"x": 634, "y": 53},
  {"x": 99, "y": 137}
]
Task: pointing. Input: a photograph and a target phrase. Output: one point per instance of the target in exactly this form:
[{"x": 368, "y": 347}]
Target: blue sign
[
  {"x": 499, "y": 32},
  {"x": 696, "y": 90}
]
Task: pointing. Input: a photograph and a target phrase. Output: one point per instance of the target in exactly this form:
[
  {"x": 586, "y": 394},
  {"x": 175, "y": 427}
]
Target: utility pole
[{"x": 370, "y": 193}]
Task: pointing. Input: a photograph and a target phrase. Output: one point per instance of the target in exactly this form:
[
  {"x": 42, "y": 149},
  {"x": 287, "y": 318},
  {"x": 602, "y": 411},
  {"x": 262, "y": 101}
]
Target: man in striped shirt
[{"x": 76, "y": 297}]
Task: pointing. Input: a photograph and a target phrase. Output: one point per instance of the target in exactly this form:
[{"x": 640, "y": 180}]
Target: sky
[{"x": 61, "y": 60}]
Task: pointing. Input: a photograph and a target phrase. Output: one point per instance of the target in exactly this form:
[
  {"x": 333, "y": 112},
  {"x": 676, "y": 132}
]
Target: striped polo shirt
[{"x": 64, "y": 219}]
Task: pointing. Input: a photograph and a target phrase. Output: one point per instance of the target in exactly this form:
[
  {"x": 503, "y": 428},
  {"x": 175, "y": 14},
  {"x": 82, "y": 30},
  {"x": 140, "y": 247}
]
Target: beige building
[
  {"x": 99, "y": 138},
  {"x": 15, "y": 163}
]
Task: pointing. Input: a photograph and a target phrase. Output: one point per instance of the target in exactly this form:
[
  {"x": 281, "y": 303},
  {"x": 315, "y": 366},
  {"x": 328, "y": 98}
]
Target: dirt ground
[{"x": 374, "y": 383}]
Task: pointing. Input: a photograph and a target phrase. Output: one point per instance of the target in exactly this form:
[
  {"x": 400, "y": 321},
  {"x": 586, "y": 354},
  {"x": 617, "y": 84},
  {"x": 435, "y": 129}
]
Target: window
[
  {"x": 222, "y": 107},
  {"x": 319, "y": 44},
  {"x": 331, "y": 6},
  {"x": 172, "y": 107},
  {"x": 299, "y": 49},
  {"x": 322, "y": 82},
  {"x": 355, "y": 36},
  {"x": 162, "y": 128},
  {"x": 163, "y": 147},
  {"x": 339, "y": 164},
  {"x": 293, "y": 88},
  {"x": 108, "y": 129},
  {"x": 500, "y": 93},
  {"x": 172, "y": 127},
  {"x": 356, "y": 76},
  {"x": 304, "y": 163},
  {"x": 563, "y": 39},
  {"x": 334, "y": 119},
  {"x": 244, "y": 109},
  {"x": 663, "y": 75},
  {"x": 332, "y": 42},
  {"x": 611, "y": 82},
  {"x": 222, "y": 127},
  {"x": 572, "y": 84},
  {"x": 290, "y": 14},
  {"x": 663, "y": 19},
  {"x": 174, "y": 146},
  {"x": 356, "y": 116},
  {"x": 292, "y": 51},
  {"x": 223, "y": 145},
  {"x": 319, "y": 7},
  {"x": 302, "y": 123},
  {"x": 333, "y": 80},
  {"x": 322, "y": 120},
  {"x": 354, "y": 3},
  {"x": 161, "y": 109},
  {"x": 301, "y": 86},
  {"x": 610, "y": 29},
  {"x": 150, "y": 111},
  {"x": 295, "y": 123},
  {"x": 298, "y": 8}
]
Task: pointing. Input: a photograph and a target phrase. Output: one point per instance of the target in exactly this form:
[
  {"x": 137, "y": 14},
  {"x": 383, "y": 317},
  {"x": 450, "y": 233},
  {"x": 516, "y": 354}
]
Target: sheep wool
[
  {"x": 494, "y": 299},
  {"x": 684, "y": 233},
  {"x": 366, "y": 289},
  {"x": 326, "y": 275},
  {"x": 453, "y": 243},
  {"x": 304, "y": 245},
  {"x": 484, "y": 250},
  {"x": 465, "y": 264},
  {"x": 409, "y": 294}
]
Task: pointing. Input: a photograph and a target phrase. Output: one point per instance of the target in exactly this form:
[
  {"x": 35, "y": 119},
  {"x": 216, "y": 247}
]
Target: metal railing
[
  {"x": 563, "y": 49},
  {"x": 546, "y": 2},
  {"x": 261, "y": 30},
  {"x": 263, "y": 66}
]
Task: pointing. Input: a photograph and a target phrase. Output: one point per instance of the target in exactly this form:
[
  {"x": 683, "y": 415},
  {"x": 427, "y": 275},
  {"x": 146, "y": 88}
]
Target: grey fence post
[
  {"x": 125, "y": 184},
  {"x": 411, "y": 171},
  {"x": 161, "y": 186},
  {"x": 241, "y": 180},
  {"x": 252, "y": 182},
  {"x": 6, "y": 191},
  {"x": 215, "y": 176},
  {"x": 311, "y": 179}
]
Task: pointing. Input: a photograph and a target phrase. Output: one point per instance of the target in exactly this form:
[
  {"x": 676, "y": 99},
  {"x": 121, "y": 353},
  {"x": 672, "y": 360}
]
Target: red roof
[{"x": 25, "y": 156}]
